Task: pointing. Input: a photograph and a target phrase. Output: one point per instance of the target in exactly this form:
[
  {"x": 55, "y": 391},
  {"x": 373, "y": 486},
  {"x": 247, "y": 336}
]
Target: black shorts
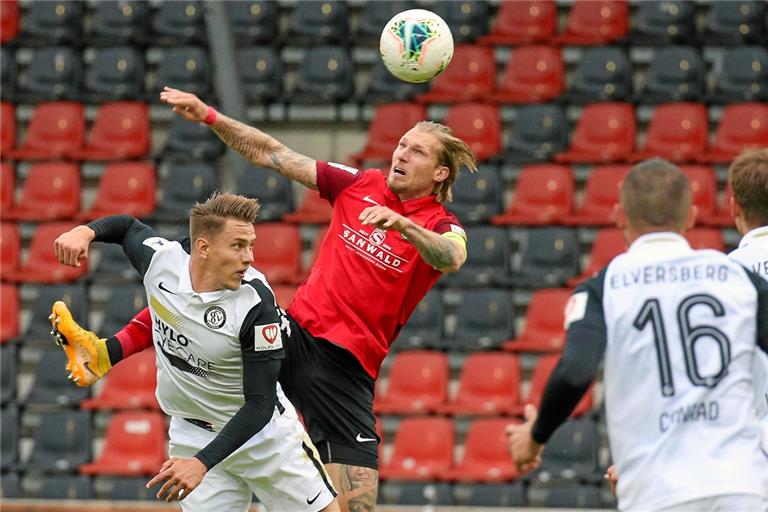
[{"x": 334, "y": 395}]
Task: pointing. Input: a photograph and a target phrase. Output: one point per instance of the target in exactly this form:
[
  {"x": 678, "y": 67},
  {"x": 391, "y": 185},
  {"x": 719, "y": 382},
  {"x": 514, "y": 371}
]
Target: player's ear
[
  {"x": 202, "y": 246},
  {"x": 441, "y": 173},
  {"x": 690, "y": 219},
  {"x": 619, "y": 216}
]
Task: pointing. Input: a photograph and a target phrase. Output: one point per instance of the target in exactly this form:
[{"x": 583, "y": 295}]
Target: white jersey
[
  {"x": 680, "y": 327},
  {"x": 753, "y": 254}
]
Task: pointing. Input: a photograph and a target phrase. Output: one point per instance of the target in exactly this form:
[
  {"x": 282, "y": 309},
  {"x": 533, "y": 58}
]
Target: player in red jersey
[{"x": 389, "y": 241}]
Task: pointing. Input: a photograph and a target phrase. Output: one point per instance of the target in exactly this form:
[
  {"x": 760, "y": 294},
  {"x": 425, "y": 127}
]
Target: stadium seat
[
  {"x": 706, "y": 238},
  {"x": 186, "y": 68},
  {"x": 62, "y": 441},
  {"x": 489, "y": 384},
  {"x": 52, "y": 23},
  {"x": 703, "y": 183},
  {"x": 543, "y": 195},
  {"x": 10, "y": 434},
  {"x": 541, "y": 372},
  {"x": 601, "y": 74},
  {"x": 418, "y": 383},
  {"x": 486, "y": 455},
  {"x": 277, "y": 252},
  {"x": 120, "y": 131},
  {"x": 383, "y": 86},
  {"x": 191, "y": 141},
  {"x": 185, "y": 184},
  {"x": 744, "y": 76},
  {"x": 10, "y": 249},
  {"x": 608, "y": 243},
  {"x": 134, "y": 445},
  {"x": 9, "y": 364},
  {"x": 734, "y": 23},
  {"x": 422, "y": 450},
  {"x": 677, "y": 132},
  {"x": 571, "y": 454},
  {"x": 9, "y": 20},
  {"x": 39, "y": 327},
  {"x": 548, "y": 257},
  {"x": 325, "y": 75},
  {"x": 10, "y": 484},
  {"x": 179, "y": 23},
  {"x": 113, "y": 266},
  {"x": 742, "y": 126},
  {"x": 125, "y": 23},
  {"x": 467, "y": 20},
  {"x": 506, "y": 495},
  {"x": 51, "y": 386},
  {"x": 523, "y": 22},
  {"x": 595, "y": 22},
  {"x": 424, "y": 494},
  {"x": 605, "y": 133},
  {"x": 533, "y": 74},
  {"x": 543, "y": 329},
  {"x": 375, "y": 15},
  {"x": 319, "y": 22},
  {"x": 116, "y": 73},
  {"x": 664, "y": 22},
  {"x": 53, "y": 74},
  {"x": 484, "y": 319},
  {"x": 601, "y": 194},
  {"x": 538, "y": 133},
  {"x": 470, "y": 77},
  {"x": 129, "y": 385},
  {"x": 132, "y": 489},
  {"x": 253, "y": 22},
  {"x": 54, "y": 131},
  {"x": 312, "y": 210},
  {"x": 7, "y": 186},
  {"x": 7, "y": 129},
  {"x": 676, "y": 73},
  {"x": 9, "y": 312},
  {"x": 51, "y": 191},
  {"x": 121, "y": 305},
  {"x": 424, "y": 328},
  {"x": 66, "y": 487},
  {"x": 41, "y": 265},
  {"x": 273, "y": 190},
  {"x": 388, "y": 125},
  {"x": 124, "y": 188},
  {"x": 488, "y": 249},
  {"x": 284, "y": 294},
  {"x": 569, "y": 495},
  {"x": 8, "y": 72},
  {"x": 477, "y": 124},
  {"x": 261, "y": 73},
  {"x": 477, "y": 197},
  {"x": 721, "y": 216}
]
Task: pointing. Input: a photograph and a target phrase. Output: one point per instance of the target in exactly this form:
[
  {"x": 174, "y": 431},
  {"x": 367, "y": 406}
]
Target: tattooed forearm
[{"x": 438, "y": 251}]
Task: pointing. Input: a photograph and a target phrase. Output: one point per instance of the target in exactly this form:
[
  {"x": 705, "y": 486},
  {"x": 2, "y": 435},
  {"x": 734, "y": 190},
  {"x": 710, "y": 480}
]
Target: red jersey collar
[{"x": 411, "y": 205}]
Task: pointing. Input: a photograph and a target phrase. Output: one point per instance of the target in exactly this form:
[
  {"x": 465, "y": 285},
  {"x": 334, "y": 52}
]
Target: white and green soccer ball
[{"x": 416, "y": 45}]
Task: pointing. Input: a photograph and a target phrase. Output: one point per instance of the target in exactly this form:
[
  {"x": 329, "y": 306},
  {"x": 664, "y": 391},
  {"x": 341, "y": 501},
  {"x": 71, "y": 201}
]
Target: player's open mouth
[{"x": 397, "y": 170}]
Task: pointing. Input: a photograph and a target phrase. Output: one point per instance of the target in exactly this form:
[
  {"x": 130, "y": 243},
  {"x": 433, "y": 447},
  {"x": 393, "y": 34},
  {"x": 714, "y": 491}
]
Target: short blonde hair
[
  {"x": 748, "y": 176},
  {"x": 453, "y": 153},
  {"x": 208, "y": 218}
]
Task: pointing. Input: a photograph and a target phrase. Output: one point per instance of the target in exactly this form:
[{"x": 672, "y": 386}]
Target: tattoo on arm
[{"x": 440, "y": 252}]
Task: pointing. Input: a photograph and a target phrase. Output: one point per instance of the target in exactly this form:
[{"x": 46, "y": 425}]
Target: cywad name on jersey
[{"x": 700, "y": 411}]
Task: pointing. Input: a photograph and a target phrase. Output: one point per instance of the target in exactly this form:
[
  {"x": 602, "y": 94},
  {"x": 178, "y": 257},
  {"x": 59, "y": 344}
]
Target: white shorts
[
  {"x": 722, "y": 503},
  {"x": 280, "y": 465}
]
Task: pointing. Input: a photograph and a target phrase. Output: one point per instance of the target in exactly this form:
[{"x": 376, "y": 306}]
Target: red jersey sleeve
[
  {"x": 333, "y": 178},
  {"x": 450, "y": 224}
]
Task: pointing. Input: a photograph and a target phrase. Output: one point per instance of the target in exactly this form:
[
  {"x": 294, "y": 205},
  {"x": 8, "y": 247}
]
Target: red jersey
[{"x": 366, "y": 281}]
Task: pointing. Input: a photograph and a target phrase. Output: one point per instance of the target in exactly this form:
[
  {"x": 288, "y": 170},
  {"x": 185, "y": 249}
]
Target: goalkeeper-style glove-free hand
[{"x": 87, "y": 356}]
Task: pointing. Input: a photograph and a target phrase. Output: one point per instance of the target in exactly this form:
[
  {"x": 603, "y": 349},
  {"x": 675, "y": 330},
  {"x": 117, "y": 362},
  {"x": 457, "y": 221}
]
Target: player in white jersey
[
  {"x": 679, "y": 329},
  {"x": 218, "y": 336}
]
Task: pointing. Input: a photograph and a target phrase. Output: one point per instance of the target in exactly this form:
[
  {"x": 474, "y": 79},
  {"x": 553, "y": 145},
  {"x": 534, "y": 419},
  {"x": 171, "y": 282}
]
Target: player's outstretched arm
[{"x": 256, "y": 146}]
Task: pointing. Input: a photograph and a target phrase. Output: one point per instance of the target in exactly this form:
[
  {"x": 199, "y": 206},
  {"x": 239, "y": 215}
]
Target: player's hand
[
  {"x": 186, "y": 104},
  {"x": 72, "y": 247},
  {"x": 181, "y": 477},
  {"x": 383, "y": 218},
  {"x": 613, "y": 478},
  {"x": 525, "y": 451}
]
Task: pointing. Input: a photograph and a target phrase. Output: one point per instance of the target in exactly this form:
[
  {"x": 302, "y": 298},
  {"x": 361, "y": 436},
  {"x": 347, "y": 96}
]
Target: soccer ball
[{"x": 416, "y": 45}]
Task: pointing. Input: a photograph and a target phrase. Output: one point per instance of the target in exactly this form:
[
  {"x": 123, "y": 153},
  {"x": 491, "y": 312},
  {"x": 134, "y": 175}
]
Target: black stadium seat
[
  {"x": 179, "y": 23},
  {"x": 119, "y": 22},
  {"x": 253, "y": 21},
  {"x": 549, "y": 257},
  {"x": 664, "y": 22},
  {"x": 74, "y": 295},
  {"x": 326, "y": 75},
  {"x": 62, "y": 442},
  {"x": 10, "y": 433},
  {"x": 375, "y": 15},
  {"x": 488, "y": 249},
  {"x": 191, "y": 141},
  {"x": 484, "y": 319},
  {"x": 744, "y": 76},
  {"x": 602, "y": 74},
  {"x": 54, "y": 73},
  {"x": 273, "y": 190},
  {"x": 538, "y": 133},
  {"x": 187, "y": 68},
  {"x": 9, "y": 365},
  {"x": 735, "y": 22},
  {"x": 383, "y": 86},
  {"x": 60, "y": 487},
  {"x": 467, "y": 20},
  {"x": 116, "y": 73},
  {"x": 51, "y": 386},
  {"x": 477, "y": 197},
  {"x": 425, "y": 326},
  {"x": 676, "y": 73},
  {"x": 121, "y": 306},
  {"x": 319, "y": 22},
  {"x": 57, "y": 22},
  {"x": 185, "y": 184},
  {"x": 261, "y": 74}
]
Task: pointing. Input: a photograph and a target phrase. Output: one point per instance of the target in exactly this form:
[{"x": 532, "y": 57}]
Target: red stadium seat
[
  {"x": 703, "y": 182},
  {"x": 471, "y": 76},
  {"x": 418, "y": 383},
  {"x": 422, "y": 449},
  {"x": 523, "y": 22},
  {"x": 486, "y": 454},
  {"x": 41, "y": 264},
  {"x": 677, "y": 132},
  {"x": 721, "y": 217},
  {"x": 7, "y": 128},
  {"x": 601, "y": 194},
  {"x": 124, "y": 188},
  {"x": 55, "y": 130},
  {"x": 129, "y": 385},
  {"x": 134, "y": 445},
  {"x": 7, "y": 187},
  {"x": 489, "y": 384},
  {"x": 10, "y": 249},
  {"x": 9, "y": 312},
  {"x": 541, "y": 373},
  {"x": 605, "y": 133},
  {"x": 120, "y": 131},
  {"x": 477, "y": 124},
  {"x": 312, "y": 210},
  {"x": 706, "y": 238},
  {"x": 9, "y": 20},
  {"x": 543, "y": 195},
  {"x": 534, "y": 74},
  {"x": 608, "y": 244},
  {"x": 277, "y": 252},
  {"x": 742, "y": 126},
  {"x": 51, "y": 192},
  {"x": 543, "y": 330},
  {"x": 595, "y": 22},
  {"x": 388, "y": 125}
]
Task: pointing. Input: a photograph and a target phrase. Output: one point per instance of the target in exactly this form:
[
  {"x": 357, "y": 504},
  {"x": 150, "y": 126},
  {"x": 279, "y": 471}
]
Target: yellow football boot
[{"x": 87, "y": 356}]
